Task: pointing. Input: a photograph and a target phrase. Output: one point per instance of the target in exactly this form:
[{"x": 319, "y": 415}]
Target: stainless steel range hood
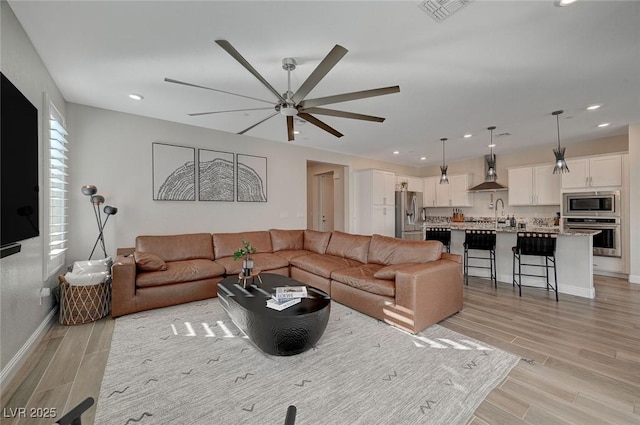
[{"x": 489, "y": 184}]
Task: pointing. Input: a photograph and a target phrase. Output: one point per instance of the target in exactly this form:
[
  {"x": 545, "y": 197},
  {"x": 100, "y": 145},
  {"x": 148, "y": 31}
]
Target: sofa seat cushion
[
  {"x": 361, "y": 277},
  {"x": 261, "y": 261},
  {"x": 322, "y": 264},
  {"x": 290, "y": 254},
  {"x": 180, "y": 271}
]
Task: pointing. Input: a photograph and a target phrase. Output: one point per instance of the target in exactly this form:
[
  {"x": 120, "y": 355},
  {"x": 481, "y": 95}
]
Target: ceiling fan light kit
[{"x": 292, "y": 104}]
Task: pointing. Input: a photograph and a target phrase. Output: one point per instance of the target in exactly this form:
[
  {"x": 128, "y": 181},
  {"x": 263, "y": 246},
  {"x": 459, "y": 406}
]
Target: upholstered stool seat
[
  {"x": 538, "y": 245},
  {"x": 480, "y": 240}
]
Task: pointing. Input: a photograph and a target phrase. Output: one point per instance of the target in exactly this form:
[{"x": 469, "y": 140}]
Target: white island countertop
[{"x": 574, "y": 256}]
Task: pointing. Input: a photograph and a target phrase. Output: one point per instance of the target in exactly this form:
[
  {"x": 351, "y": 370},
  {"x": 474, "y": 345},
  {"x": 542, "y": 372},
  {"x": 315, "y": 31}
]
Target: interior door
[{"x": 326, "y": 204}]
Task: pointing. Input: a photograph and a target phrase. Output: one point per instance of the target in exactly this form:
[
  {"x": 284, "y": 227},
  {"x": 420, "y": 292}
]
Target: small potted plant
[{"x": 245, "y": 253}]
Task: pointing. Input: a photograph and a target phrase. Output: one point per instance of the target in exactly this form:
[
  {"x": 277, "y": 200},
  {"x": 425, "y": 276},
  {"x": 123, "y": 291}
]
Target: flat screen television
[{"x": 20, "y": 218}]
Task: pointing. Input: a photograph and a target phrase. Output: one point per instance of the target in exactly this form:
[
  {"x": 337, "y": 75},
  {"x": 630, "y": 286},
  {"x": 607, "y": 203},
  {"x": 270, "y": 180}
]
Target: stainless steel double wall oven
[{"x": 596, "y": 211}]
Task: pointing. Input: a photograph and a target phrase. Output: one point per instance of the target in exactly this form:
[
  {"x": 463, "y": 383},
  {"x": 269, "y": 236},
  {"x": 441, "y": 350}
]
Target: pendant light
[
  {"x": 443, "y": 177},
  {"x": 561, "y": 164},
  {"x": 492, "y": 174}
]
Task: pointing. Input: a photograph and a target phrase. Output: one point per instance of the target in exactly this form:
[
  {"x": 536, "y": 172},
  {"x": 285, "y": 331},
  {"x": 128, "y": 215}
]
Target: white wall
[
  {"x": 112, "y": 150},
  {"x": 634, "y": 203},
  {"x": 21, "y": 274}
]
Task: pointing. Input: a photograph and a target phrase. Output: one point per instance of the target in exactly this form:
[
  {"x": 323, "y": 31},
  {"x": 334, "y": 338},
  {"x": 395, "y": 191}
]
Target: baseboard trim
[
  {"x": 21, "y": 356},
  {"x": 634, "y": 278}
]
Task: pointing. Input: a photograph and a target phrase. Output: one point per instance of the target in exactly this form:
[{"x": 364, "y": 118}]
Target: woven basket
[{"x": 83, "y": 304}]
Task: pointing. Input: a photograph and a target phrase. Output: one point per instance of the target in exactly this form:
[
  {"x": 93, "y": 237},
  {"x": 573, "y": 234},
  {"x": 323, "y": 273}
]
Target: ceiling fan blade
[
  {"x": 196, "y": 114},
  {"x": 171, "y": 80},
  {"x": 319, "y": 73},
  {"x": 315, "y": 121},
  {"x": 342, "y": 114},
  {"x": 258, "y": 123},
  {"x": 345, "y": 97},
  {"x": 237, "y": 56},
  {"x": 290, "y": 135}
]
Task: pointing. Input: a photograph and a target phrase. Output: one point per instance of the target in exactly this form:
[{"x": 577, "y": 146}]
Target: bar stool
[
  {"x": 480, "y": 240},
  {"x": 441, "y": 234},
  {"x": 539, "y": 245}
]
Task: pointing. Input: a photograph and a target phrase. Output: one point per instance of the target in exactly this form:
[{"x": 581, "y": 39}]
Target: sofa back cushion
[
  {"x": 177, "y": 247},
  {"x": 225, "y": 244},
  {"x": 354, "y": 247},
  {"x": 287, "y": 240},
  {"x": 385, "y": 250},
  {"x": 315, "y": 241}
]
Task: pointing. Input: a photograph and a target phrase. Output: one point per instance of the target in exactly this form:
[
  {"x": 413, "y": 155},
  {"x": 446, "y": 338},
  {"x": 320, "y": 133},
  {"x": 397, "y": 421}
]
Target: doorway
[
  {"x": 326, "y": 193},
  {"x": 326, "y": 202}
]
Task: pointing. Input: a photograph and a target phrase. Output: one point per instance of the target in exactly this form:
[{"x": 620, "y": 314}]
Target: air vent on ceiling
[{"x": 440, "y": 10}]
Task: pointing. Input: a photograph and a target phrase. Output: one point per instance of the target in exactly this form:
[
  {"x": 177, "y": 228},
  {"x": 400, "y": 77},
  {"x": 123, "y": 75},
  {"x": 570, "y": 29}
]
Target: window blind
[{"x": 57, "y": 193}]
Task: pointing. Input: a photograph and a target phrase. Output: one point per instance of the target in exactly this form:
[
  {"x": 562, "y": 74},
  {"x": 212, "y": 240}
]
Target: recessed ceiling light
[
  {"x": 136, "y": 96},
  {"x": 593, "y": 107},
  {"x": 396, "y": 152},
  {"x": 563, "y": 3},
  {"x": 296, "y": 132},
  {"x": 423, "y": 158},
  {"x": 466, "y": 136},
  {"x": 493, "y": 145},
  {"x": 604, "y": 124}
]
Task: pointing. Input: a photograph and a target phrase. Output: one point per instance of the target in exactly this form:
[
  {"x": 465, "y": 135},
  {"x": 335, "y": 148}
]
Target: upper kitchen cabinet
[
  {"x": 593, "y": 172},
  {"x": 414, "y": 184},
  {"x": 535, "y": 185},
  {"x": 429, "y": 193},
  {"x": 454, "y": 194},
  {"x": 382, "y": 185}
]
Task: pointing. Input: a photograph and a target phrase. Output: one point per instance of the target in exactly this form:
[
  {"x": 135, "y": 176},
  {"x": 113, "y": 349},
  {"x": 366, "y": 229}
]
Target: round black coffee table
[{"x": 281, "y": 333}]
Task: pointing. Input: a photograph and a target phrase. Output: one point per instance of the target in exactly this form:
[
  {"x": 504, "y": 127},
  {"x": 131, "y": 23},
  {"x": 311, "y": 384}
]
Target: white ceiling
[{"x": 503, "y": 63}]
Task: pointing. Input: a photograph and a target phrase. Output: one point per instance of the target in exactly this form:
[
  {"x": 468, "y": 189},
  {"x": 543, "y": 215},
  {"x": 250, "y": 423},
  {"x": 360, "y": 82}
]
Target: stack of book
[{"x": 286, "y": 296}]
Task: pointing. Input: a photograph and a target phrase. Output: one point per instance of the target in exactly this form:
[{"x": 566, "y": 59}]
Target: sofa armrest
[
  {"x": 125, "y": 251},
  {"x": 451, "y": 257},
  {"x": 123, "y": 285},
  {"x": 429, "y": 292}
]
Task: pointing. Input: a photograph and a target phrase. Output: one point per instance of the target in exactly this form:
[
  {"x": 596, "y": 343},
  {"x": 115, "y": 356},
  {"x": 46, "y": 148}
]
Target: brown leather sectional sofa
[{"x": 408, "y": 284}]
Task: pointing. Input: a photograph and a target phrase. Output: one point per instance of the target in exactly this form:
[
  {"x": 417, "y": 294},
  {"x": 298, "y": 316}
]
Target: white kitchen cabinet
[
  {"x": 374, "y": 202},
  {"x": 534, "y": 186},
  {"x": 382, "y": 185},
  {"x": 454, "y": 194},
  {"x": 414, "y": 184},
  {"x": 429, "y": 191},
  {"x": 593, "y": 172}
]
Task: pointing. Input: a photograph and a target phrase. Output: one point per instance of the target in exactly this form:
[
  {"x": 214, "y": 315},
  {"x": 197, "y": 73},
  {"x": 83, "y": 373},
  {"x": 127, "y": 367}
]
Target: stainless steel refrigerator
[{"x": 409, "y": 219}]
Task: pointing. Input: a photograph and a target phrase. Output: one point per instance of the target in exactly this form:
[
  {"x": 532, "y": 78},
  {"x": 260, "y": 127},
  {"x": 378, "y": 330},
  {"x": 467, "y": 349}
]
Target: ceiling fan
[{"x": 292, "y": 104}]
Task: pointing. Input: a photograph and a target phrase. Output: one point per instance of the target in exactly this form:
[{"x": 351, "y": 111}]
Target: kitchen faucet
[{"x": 495, "y": 211}]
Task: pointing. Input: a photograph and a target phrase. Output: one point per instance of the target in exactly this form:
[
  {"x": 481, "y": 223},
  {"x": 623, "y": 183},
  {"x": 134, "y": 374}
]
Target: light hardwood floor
[{"x": 581, "y": 357}]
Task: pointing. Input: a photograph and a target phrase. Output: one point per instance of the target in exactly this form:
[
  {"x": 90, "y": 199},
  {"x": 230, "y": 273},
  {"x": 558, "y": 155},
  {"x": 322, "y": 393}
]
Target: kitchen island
[{"x": 574, "y": 257}]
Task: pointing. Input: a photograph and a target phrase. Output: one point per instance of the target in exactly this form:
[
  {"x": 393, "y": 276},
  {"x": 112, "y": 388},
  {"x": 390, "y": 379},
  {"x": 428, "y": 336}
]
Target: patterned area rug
[{"x": 190, "y": 364}]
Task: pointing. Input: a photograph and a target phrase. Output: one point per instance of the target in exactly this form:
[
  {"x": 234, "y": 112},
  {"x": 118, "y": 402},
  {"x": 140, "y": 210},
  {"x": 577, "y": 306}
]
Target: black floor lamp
[{"x": 96, "y": 202}]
